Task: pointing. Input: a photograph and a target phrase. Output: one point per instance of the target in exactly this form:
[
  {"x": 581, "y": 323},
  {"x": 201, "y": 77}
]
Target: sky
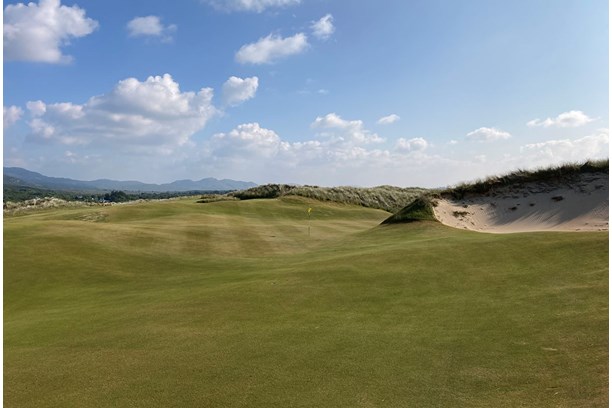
[{"x": 323, "y": 92}]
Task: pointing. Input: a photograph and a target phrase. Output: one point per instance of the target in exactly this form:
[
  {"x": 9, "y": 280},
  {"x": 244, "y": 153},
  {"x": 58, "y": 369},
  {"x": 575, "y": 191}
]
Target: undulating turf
[{"x": 233, "y": 304}]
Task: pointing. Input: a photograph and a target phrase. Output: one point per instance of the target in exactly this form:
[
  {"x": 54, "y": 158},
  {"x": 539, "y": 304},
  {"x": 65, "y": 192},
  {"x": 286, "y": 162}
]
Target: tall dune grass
[
  {"x": 13, "y": 208},
  {"x": 561, "y": 172},
  {"x": 386, "y": 198}
]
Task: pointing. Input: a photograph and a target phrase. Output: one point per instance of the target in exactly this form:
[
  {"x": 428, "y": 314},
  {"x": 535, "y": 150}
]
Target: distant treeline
[{"x": 18, "y": 194}]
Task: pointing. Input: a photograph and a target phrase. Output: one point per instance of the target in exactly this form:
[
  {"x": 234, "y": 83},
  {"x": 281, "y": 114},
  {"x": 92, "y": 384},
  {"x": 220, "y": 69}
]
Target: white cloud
[
  {"x": 595, "y": 146},
  {"x": 271, "y": 48},
  {"x": 11, "y": 115},
  {"x": 387, "y": 120},
  {"x": 249, "y": 5},
  {"x": 237, "y": 90},
  {"x": 266, "y": 157},
  {"x": 323, "y": 28},
  {"x": 249, "y": 139},
  {"x": 36, "y": 108},
  {"x": 480, "y": 158},
  {"x": 150, "y": 26},
  {"x": 417, "y": 144},
  {"x": 348, "y": 131},
  {"x": 35, "y": 32},
  {"x": 566, "y": 119},
  {"x": 485, "y": 134},
  {"x": 153, "y": 115}
]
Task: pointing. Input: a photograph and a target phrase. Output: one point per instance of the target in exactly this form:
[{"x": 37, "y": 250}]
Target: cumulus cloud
[
  {"x": 36, "y": 32},
  {"x": 417, "y": 144},
  {"x": 36, "y": 108},
  {"x": 248, "y": 138},
  {"x": 150, "y": 26},
  {"x": 249, "y": 5},
  {"x": 593, "y": 146},
  {"x": 387, "y": 120},
  {"x": 485, "y": 134},
  {"x": 263, "y": 154},
  {"x": 324, "y": 27},
  {"x": 566, "y": 119},
  {"x": 11, "y": 115},
  {"x": 151, "y": 114},
  {"x": 251, "y": 141},
  {"x": 237, "y": 90},
  {"x": 271, "y": 48},
  {"x": 338, "y": 129}
]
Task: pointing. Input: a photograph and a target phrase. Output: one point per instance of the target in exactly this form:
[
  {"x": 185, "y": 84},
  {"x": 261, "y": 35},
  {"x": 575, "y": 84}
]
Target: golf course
[{"x": 261, "y": 303}]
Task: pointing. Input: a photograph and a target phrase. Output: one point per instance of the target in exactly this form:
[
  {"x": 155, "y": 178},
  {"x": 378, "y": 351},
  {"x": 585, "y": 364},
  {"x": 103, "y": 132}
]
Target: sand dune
[{"x": 579, "y": 203}]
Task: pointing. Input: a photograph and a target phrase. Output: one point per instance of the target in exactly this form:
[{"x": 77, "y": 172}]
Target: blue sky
[{"x": 426, "y": 93}]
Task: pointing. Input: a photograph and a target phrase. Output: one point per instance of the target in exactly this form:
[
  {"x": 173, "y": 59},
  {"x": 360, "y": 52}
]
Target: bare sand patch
[{"x": 578, "y": 203}]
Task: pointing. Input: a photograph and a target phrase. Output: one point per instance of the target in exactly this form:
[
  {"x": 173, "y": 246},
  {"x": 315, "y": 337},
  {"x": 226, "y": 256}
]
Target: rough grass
[
  {"x": 211, "y": 198},
  {"x": 421, "y": 209},
  {"x": 386, "y": 198},
  {"x": 559, "y": 173},
  {"x": 231, "y": 304},
  {"x": 34, "y": 204}
]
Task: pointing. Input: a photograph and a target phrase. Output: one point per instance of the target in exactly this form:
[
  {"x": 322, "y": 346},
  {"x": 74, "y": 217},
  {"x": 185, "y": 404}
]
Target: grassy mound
[
  {"x": 386, "y": 198},
  {"x": 264, "y": 191},
  {"x": 420, "y": 209}
]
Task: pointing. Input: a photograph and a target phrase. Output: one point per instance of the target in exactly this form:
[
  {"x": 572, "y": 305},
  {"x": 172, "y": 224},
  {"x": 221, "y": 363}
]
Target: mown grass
[{"x": 232, "y": 304}]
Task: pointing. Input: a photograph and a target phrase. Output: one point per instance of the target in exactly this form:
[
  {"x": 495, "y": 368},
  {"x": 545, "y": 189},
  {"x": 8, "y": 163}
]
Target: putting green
[{"x": 233, "y": 304}]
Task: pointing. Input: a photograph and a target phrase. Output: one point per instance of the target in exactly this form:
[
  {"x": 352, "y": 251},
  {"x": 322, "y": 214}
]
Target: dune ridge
[{"x": 577, "y": 203}]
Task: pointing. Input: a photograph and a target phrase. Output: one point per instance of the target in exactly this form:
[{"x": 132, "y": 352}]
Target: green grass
[
  {"x": 231, "y": 304},
  {"x": 421, "y": 209}
]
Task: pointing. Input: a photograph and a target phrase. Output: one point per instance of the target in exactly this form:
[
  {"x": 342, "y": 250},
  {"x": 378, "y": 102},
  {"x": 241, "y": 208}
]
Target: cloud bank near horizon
[{"x": 143, "y": 120}]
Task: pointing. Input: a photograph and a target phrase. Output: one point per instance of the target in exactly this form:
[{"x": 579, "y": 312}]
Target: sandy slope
[{"x": 578, "y": 204}]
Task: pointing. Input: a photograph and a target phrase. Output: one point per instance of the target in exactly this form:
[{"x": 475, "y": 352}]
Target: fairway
[{"x": 233, "y": 304}]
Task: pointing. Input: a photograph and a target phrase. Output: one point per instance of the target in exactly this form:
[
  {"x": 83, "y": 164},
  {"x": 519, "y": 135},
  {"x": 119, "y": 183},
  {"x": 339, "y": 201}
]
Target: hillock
[
  {"x": 421, "y": 209},
  {"x": 386, "y": 198}
]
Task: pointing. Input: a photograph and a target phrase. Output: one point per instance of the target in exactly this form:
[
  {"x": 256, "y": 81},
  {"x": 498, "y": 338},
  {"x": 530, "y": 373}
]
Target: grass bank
[{"x": 386, "y": 198}]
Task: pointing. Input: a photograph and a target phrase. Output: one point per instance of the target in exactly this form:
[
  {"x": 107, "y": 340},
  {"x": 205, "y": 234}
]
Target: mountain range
[{"x": 16, "y": 176}]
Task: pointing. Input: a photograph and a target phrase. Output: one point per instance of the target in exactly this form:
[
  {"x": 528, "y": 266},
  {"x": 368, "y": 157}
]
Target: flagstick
[{"x": 309, "y": 210}]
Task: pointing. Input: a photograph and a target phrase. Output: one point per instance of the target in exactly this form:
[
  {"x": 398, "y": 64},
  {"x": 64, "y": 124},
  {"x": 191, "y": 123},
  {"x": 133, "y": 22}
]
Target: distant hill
[{"x": 16, "y": 176}]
